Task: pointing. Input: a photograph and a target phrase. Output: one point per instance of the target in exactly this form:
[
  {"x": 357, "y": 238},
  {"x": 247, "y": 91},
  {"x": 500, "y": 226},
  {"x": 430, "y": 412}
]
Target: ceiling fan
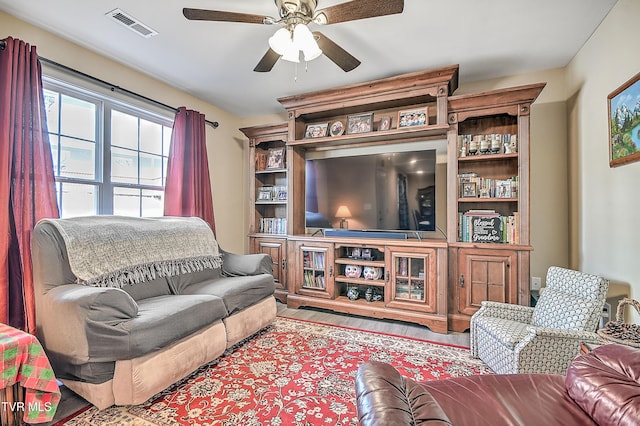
[{"x": 294, "y": 37}]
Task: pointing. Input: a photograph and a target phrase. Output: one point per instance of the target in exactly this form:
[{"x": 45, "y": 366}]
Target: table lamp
[{"x": 343, "y": 213}]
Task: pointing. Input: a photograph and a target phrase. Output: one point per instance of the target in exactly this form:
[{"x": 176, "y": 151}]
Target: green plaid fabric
[{"x": 22, "y": 360}]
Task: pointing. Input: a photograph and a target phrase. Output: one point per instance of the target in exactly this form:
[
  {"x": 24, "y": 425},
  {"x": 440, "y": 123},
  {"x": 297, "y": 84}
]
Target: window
[{"x": 108, "y": 157}]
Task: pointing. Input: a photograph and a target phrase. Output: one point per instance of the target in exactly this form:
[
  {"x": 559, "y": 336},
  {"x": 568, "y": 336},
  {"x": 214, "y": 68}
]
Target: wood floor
[{"x": 70, "y": 402}]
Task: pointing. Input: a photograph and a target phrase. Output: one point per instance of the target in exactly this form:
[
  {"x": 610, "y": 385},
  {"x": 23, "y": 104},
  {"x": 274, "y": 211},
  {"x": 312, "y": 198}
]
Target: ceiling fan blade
[
  {"x": 267, "y": 62},
  {"x": 358, "y": 9},
  {"x": 217, "y": 15},
  {"x": 337, "y": 54}
]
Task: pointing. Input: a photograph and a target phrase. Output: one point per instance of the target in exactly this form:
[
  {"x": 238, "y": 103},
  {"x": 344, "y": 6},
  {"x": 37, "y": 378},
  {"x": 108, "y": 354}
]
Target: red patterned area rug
[{"x": 292, "y": 373}]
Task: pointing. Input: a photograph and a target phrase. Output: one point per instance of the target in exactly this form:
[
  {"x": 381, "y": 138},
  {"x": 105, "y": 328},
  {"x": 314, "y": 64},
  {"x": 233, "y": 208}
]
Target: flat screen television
[{"x": 380, "y": 188}]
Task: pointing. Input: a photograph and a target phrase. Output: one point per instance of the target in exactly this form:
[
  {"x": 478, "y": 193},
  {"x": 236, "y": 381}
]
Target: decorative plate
[{"x": 337, "y": 128}]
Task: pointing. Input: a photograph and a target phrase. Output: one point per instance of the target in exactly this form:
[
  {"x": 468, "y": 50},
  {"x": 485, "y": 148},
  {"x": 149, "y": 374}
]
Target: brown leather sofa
[{"x": 600, "y": 388}]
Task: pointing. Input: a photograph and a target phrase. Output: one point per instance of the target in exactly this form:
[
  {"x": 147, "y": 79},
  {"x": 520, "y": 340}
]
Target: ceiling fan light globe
[
  {"x": 281, "y": 41},
  {"x": 292, "y": 54},
  {"x": 311, "y": 54},
  {"x": 304, "y": 40}
]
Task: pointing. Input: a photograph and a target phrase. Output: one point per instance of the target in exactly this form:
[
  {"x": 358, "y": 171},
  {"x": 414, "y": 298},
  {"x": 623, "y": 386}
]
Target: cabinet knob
[
  {"x": 386, "y": 276},
  {"x": 461, "y": 280}
]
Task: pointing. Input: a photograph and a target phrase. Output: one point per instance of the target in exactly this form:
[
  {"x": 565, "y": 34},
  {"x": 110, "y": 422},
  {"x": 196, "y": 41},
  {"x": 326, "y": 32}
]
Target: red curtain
[
  {"x": 187, "y": 190},
  {"x": 27, "y": 187}
]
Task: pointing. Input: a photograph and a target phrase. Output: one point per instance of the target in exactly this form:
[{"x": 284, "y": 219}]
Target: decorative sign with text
[{"x": 486, "y": 229}]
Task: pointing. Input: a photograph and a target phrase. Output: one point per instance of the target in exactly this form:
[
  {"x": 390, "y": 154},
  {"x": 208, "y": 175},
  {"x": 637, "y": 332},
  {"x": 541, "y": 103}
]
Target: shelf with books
[
  {"x": 269, "y": 179},
  {"x": 488, "y": 226},
  {"x": 489, "y": 215}
]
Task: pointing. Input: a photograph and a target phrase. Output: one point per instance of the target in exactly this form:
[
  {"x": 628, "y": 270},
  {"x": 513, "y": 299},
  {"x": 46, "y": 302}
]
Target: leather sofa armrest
[
  {"x": 384, "y": 397},
  {"x": 68, "y": 313},
  {"x": 246, "y": 264},
  {"x": 605, "y": 383}
]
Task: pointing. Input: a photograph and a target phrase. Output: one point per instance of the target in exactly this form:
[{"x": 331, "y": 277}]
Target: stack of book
[{"x": 272, "y": 225}]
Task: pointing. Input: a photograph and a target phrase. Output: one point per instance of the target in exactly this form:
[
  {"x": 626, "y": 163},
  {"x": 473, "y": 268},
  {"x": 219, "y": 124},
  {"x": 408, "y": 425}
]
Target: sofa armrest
[
  {"x": 67, "y": 314},
  {"x": 246, "y": 264},
  {"x": 384, "y": 397}
]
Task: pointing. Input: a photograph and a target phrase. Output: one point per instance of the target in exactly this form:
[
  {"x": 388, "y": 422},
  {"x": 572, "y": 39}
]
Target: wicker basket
[{"x": 620, "y": 332}]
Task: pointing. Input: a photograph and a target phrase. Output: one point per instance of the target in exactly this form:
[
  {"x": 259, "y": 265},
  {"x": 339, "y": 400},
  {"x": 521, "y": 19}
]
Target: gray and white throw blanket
[{"x": 114, "y": 251}]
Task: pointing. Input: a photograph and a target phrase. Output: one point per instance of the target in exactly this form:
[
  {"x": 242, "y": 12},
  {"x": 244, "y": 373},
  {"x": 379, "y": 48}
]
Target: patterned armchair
[{"x": 514, "y": 339}]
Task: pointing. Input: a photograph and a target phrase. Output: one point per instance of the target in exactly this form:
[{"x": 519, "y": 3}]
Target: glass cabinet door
[
  {"x": 411, "y": 281},
  {"x": 316, "y": 272}
]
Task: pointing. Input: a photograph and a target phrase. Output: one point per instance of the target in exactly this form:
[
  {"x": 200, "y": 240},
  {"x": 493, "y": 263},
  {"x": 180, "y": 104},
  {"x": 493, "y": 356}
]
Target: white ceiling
[{"x": 214, "y": 60}]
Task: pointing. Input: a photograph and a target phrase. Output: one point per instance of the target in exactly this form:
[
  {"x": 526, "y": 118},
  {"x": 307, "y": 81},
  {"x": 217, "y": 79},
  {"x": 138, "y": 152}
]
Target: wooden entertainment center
[{"x": 434, "y": 281}]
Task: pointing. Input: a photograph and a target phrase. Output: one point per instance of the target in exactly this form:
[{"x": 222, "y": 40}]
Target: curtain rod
[{"x": 214, "y": 124}]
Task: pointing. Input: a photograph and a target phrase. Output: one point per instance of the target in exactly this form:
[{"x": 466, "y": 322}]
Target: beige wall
[
  {"x": 225, "y": 145},
  {"x": 605, "y": 202}
]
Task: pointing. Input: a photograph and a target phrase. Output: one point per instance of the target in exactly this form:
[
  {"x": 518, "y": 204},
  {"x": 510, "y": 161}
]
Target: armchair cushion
[
  {"x": 552, "y": 311},
  {"x": 572, "y": 300},
  {"x": 508, "y": 333}
]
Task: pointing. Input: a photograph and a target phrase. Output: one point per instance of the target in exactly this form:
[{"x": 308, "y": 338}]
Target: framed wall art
[
  {"x": 360, "y": 123},
  {"x": 624, "y": 123}
]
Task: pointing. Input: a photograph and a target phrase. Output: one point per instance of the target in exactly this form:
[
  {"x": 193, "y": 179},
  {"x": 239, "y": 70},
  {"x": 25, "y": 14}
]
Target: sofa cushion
[
  {"x": 147, "y": 289},
  {"x": 161, "y": 320},
  {"x": 605, "y": 383},
  {"x": 178, "y": 283},
  {"x": 507, "y": 399},
  {"x": 236, "y": 292}
]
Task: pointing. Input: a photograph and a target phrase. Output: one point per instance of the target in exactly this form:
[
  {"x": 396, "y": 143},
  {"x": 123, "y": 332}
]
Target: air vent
[{"x": 132, "y": 23}]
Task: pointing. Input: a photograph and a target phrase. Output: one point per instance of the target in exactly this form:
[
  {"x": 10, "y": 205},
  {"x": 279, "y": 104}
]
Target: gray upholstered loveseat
[{"x": 127, "y": 306}]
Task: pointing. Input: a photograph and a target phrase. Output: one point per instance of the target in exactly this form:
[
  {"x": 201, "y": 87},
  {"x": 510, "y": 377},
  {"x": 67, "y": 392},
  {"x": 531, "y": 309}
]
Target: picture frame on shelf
[
  {"x": 624, "y": 135},
  {"x": 359, "y": 123},
  {"x": 317, "y": 130},
  {"x": 385, "y": 124},
  {"x": 261, "y": 160},
  {"x": 265, "y": 194},
  {"x": 413, "y": 117},
  {"x": 281, "y": 194},
  {"x": 337, "y": 128},
  {"x": 275, "y": 158},
  {"x": 469, "y": 190}
]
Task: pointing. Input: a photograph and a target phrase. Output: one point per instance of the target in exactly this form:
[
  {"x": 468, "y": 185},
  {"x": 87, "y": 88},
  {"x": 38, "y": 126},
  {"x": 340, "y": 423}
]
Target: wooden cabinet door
[
  {"x": 412, "y": 279},
  {"x": 277, "y": 249},
  {"x": 314, "y": 269},
  {"x": 486, "y": 275}
]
